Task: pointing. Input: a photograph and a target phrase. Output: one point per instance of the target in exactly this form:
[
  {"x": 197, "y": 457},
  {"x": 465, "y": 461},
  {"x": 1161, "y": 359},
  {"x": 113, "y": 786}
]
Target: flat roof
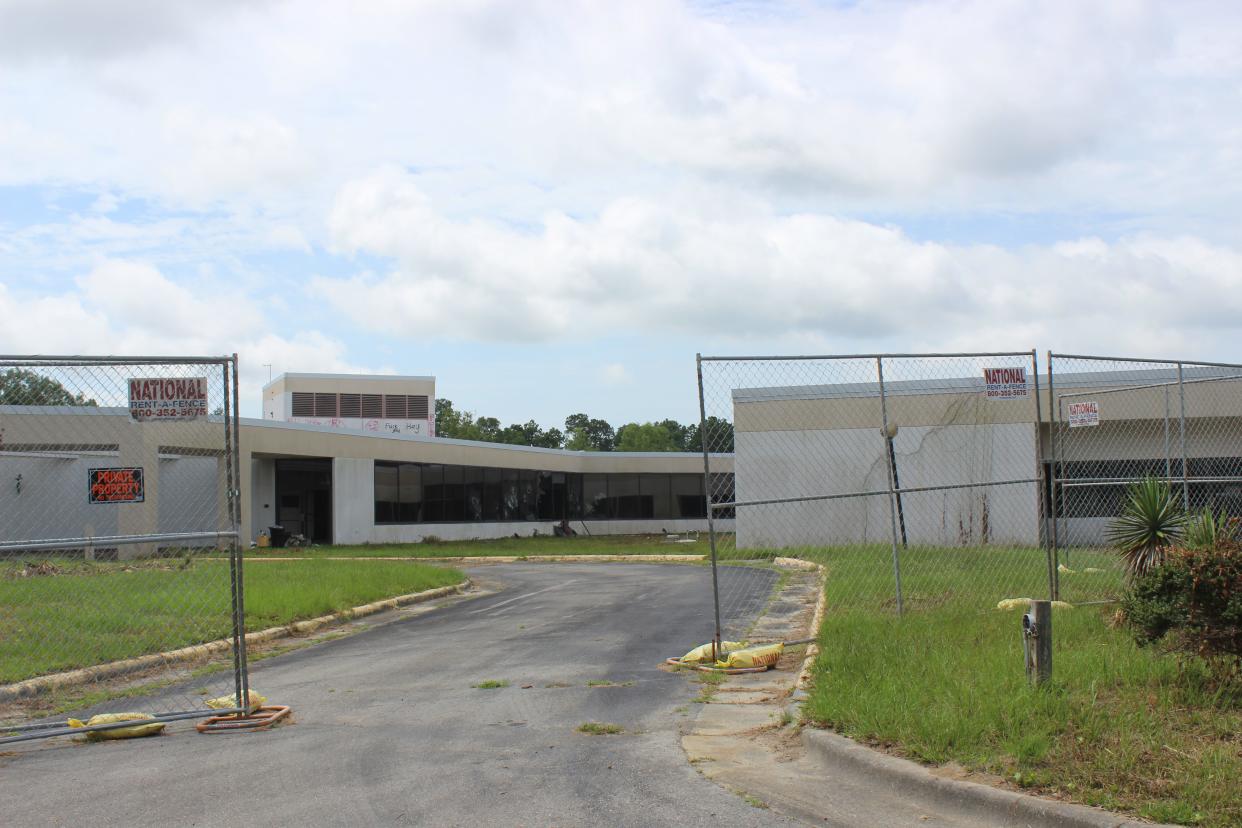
[
  {"x": 347, "y": 377},
  {"x": 259, "y": 423},
  {"x": 950, "y": 385}
]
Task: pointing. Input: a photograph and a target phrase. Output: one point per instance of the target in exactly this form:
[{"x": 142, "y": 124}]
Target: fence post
[
  {"x": 707, "y": 492},
  {"x": 892, "y": 487},
  {"x": 235, "y": 556},
  {"x": 1040, "y": 476},
  {"x": 1181, "y": 395},
  {"x": 1037, "y": 636},
  {"x": 1054, "y": 423},
  {"x": 235, "y": 497}
]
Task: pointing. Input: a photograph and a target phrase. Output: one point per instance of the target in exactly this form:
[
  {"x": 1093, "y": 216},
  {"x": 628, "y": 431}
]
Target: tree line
[{"x": 584, "y": 433}]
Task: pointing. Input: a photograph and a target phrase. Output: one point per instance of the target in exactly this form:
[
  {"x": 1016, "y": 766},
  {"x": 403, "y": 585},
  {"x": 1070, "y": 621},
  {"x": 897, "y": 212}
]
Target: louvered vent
[
  {"x": 372, "y": 406},
  {"x": 417, "y": 407},
  {"x": 394, "y": 406},
  {"x": 325, "y": 405},
  {"x": 303, "y": 404},
  {"x": 351, "y": 405}
]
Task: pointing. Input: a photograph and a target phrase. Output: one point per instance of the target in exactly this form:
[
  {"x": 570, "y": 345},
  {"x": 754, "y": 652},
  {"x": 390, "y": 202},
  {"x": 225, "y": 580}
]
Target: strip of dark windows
[{"x": 435, "y": 493}]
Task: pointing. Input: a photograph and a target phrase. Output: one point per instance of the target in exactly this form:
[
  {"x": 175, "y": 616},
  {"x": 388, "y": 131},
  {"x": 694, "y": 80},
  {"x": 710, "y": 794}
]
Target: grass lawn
[
  {"x": 862, "y": 575},
  {"x": 541, "y": 545},
  {"x": 92, "y": 613},
  {"x": 1120, "y": 726}
]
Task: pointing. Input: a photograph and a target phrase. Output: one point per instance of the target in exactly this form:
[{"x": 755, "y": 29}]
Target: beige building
[
  {"x": 327, "y": 474},
  {"x": 975, "y": 469}
]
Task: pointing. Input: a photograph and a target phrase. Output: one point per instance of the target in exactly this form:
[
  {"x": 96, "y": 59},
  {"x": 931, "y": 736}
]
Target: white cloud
[
  {"x": 709, "y": 272},
  {"x": 1115, "y": 105},
  {"x": 561, "y": 170},
  {"x": 614, "y": 373},
  {"x": 130, "y": 308},
  {"x": 83, "y": 29}
]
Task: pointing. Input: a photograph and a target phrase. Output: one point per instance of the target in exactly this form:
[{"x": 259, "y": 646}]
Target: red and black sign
[
  {"x": 167, "y": 400},
  {"x": 116, "y": 486}
]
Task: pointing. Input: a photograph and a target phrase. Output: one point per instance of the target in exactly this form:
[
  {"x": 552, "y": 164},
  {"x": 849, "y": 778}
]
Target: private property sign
[
  {"x": 168, "y": 399},
  {"x": 116, "y": 486},
  {"x": 1005, "y": 383},
  {"x": 1084, "y": 414}
]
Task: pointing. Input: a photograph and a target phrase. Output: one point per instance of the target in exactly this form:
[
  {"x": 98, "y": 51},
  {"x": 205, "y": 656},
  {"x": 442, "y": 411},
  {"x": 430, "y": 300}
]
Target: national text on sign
[{"x": 1084, "y": 414}]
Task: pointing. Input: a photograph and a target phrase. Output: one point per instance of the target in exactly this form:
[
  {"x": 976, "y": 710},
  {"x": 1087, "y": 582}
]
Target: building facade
[{"x": 312, "y": 468}]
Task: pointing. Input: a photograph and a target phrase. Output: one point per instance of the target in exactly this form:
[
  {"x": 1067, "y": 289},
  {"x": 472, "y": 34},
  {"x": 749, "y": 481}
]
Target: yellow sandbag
[
  {"x": 1013, "y": 603},
  {"x": 765, "y": 655},
  {"x": 230, "y": 701},
  {"x": 120, "y": 732},
  {"x": 703, "y": 653},
  {"x": 1025, "y": 603}
]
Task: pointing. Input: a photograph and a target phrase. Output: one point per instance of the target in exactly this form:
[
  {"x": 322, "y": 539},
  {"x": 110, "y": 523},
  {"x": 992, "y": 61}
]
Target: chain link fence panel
[
  {"x": 1118, "y": 420},
  {"x": 119, "y": 516},
  {"x": 915, "y": 480}
]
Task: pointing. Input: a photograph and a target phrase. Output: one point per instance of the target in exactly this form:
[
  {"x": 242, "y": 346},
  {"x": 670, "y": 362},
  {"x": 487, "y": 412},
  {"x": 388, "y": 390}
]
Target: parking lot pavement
[{"x": 390, "y": 731}]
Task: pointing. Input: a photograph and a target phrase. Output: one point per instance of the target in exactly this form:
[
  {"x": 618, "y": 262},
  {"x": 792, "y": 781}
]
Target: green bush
[{"x": 1195, "y": 596}]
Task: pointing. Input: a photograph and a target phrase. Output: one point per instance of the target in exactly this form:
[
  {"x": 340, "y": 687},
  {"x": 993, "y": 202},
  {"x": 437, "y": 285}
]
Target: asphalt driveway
[{"x": 390, "y": 731}]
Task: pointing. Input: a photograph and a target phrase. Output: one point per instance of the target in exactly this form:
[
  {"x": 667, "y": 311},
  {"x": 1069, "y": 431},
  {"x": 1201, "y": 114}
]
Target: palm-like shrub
[
  {"x": 1151, "y": 520},
  {"x": 1207, "y": 529}
]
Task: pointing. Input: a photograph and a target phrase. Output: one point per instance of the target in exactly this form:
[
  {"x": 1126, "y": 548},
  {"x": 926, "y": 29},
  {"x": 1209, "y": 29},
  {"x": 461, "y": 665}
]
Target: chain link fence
[
  {"x": 915, "y": 480},
  {"x": 119, "y": 515},
  {"x": 1118, "y": 420}
]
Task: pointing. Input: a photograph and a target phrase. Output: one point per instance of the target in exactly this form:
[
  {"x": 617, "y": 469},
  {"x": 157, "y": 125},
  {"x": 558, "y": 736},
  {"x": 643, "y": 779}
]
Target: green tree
[
  {"x": 645, "y": 437},
  {"x": 488, "y": 429},
  {"x": 586, "y": 434},
  {"x": 448, "y": 419},
  {"x": 20, "y": 386},
  {"x": 531, "y": 433},
  {"x": 681, "y": 434},
  {"x": 719, "y": 436},
  {"x": 464, "y": 425}
]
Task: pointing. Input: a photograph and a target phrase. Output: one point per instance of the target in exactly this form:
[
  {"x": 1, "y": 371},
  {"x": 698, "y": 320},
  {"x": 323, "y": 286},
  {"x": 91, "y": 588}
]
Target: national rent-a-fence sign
[
  {"x": 1005, "y": 383},
  {"x": 168, "y": 399}
]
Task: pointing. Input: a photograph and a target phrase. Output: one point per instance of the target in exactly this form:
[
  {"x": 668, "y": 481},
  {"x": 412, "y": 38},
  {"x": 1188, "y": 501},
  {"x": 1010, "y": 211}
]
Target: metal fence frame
[
  {"x": 1059, "y": 433},
  {"x": 1050, "y": 477},
  {"x": 227, "y": 366},
  {"x": 893, "y": 491}
]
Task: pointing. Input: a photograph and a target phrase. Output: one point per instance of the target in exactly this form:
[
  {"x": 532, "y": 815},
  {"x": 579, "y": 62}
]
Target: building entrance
[{"x": 304, "y": 498}]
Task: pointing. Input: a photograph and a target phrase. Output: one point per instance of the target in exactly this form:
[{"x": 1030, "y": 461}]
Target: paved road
[{"x": 389, "y": 730}]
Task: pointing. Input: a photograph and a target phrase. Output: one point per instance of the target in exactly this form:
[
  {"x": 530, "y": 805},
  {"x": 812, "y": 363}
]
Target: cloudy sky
[{"x": 552, "y": 206}]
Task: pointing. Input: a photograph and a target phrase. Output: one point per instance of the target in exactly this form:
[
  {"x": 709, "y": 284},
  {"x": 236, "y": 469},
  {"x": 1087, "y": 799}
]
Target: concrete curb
[
  {"x": 73, "y": 678},
  {"x": 994, "y": 805},
  {"x": 509, "y": 559}
]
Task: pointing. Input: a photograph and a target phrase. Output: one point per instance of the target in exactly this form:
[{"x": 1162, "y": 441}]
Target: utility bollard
[{"x": 1037, "y": 642}]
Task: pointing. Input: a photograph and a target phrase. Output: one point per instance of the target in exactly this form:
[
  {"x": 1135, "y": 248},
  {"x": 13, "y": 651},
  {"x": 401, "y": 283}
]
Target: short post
[{"x": 1037, "y": 642}]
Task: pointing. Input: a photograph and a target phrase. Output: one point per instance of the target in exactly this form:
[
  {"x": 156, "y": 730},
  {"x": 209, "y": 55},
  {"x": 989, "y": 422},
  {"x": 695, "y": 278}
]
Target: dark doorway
[{"x": 304, "y": 498}]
